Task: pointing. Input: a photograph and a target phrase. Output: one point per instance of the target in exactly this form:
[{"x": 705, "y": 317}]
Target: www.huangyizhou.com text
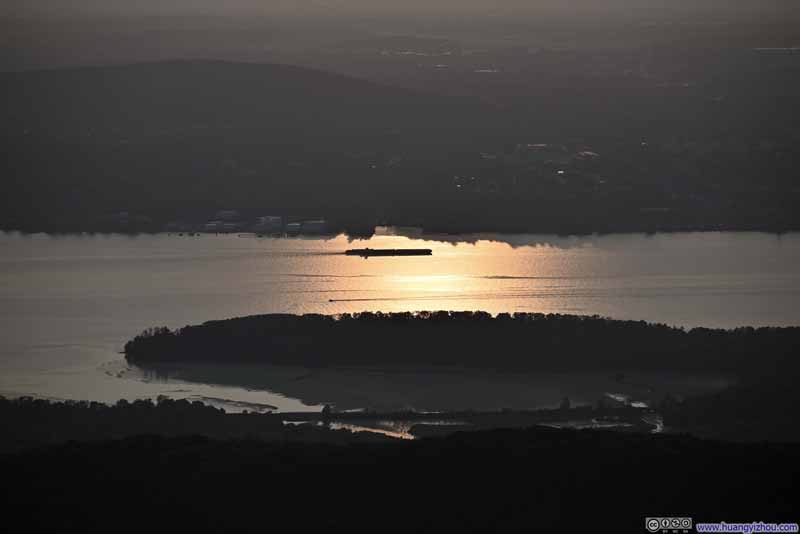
[{"x": 747, "y": 528}]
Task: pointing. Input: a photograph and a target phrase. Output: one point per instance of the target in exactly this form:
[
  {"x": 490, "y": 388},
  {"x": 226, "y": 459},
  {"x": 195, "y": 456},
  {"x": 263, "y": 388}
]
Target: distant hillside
[
  {"x": 190, "y": 137},
  {"x": 163, "y": 100},
  {"x": 177, "y": 141}
]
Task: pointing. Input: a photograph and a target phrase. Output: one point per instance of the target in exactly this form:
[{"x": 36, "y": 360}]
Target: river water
[{"x": 68, "y": 304}]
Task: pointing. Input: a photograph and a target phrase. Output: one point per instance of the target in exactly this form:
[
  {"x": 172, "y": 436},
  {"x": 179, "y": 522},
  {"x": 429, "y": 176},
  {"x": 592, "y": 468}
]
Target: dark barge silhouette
[{"x": 367, "y": 252}]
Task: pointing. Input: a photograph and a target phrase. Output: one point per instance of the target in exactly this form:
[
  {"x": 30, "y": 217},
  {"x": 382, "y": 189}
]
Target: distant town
[
  {"x": 226, "y": 221},
  {"x": 526, "y": 187}
]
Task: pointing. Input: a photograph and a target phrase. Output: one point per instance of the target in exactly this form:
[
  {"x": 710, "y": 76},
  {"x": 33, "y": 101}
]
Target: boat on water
[{"x": 368, "y": 252}]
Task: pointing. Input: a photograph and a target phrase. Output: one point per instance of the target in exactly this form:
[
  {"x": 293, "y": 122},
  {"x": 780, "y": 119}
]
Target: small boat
[{"x": 368, "y": 252}]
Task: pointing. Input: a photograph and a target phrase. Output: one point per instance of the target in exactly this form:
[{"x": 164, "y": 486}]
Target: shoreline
[{"x": 418, "y": 233}]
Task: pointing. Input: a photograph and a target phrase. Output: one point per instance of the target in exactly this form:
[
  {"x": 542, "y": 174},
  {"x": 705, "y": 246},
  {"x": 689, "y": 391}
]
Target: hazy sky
[
  {"x": 45, "y": 33},
  {"x": 333, "y": 7}
]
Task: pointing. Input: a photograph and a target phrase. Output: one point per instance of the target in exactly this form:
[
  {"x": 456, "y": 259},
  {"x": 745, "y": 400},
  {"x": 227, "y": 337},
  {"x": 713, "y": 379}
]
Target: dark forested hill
[
  {"x": 176, "y": 137},
  {"x": 169, "y": 100},
  {"x": 548, "y": 148}
]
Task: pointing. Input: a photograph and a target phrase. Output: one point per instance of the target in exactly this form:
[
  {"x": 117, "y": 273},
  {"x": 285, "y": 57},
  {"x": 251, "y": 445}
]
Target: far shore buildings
[
  {"x": 227, "y": 215},
  {"x": 268, "y": 224},
  {"x": 222, "y": 227},
  {"x": 317, "y": 226},
  {"x": 212, "y": 226},
  {"x": 229, "y": 221},
  {"x": 309, "y": 227}
]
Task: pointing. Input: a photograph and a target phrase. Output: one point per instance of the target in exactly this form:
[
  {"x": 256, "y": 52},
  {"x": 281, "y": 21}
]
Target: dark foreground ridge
[
  {"x": 31, "y": 423},
  {"x": 534, "y": 480},
  {"x": 522, "y": 341}
]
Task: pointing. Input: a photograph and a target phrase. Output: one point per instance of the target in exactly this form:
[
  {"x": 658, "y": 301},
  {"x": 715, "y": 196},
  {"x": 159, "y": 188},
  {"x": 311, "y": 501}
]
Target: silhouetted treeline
[
  {"x": 536, "y": 480},
  {"x": 29, "y": 422},
  {"x": 764, "y": 410},
  {"x": 522, "y": 341}
]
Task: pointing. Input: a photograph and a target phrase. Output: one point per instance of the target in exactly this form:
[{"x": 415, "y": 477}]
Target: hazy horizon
[{"x": 338, "y": 8}]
